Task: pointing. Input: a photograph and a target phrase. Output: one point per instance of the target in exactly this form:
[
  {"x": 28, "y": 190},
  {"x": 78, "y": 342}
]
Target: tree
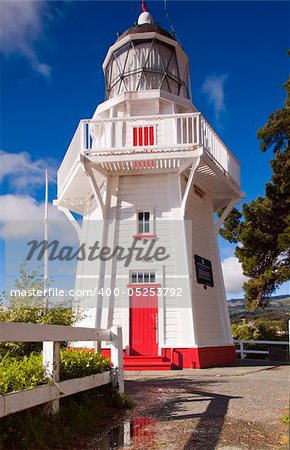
[
  {"x": 263, "y": 231},
  {"x": 32, "y": 309}
]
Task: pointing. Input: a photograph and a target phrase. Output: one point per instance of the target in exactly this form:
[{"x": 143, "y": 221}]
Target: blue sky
[{"x": 51, "y": 77}]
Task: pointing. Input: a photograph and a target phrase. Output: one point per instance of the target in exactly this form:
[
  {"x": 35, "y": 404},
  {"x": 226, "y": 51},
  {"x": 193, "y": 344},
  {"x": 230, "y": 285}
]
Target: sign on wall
[{"x": 203, "y": 271}]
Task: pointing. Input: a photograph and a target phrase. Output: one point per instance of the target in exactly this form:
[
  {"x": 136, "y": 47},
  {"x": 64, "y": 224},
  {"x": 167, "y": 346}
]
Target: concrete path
[
  {"x": 222, "y": 408},
  {"x": 229, "y": 408}
]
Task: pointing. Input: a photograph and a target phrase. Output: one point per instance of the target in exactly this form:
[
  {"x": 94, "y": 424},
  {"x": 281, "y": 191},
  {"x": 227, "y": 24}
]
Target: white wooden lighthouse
[{"x": 147, "y": 174}]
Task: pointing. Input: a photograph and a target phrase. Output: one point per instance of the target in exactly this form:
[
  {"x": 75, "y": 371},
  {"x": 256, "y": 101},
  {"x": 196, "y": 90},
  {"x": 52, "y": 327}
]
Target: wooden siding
[{"x": 207, "y": 304}]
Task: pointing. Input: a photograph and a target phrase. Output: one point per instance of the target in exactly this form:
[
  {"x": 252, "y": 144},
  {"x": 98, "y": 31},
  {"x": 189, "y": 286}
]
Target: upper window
[
  {"x": 142, "y": 277},
  {"x": 144, "y": 222}
]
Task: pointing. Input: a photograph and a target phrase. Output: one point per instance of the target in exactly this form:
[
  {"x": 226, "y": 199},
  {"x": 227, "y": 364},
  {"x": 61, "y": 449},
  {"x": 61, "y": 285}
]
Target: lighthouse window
[
  {"x": 143, "y": 136},
  {"x": 144, "y": 222},
  {"x": 142, "y": 277}
]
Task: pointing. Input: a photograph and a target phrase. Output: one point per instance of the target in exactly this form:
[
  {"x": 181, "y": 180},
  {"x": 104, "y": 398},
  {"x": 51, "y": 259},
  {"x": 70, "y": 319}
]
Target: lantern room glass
[{"x": 145, "y": 65}]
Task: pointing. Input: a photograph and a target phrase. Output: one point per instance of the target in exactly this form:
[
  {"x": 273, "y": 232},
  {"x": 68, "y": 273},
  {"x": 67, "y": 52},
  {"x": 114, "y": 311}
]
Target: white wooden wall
[{"x": 209, "y": 308}]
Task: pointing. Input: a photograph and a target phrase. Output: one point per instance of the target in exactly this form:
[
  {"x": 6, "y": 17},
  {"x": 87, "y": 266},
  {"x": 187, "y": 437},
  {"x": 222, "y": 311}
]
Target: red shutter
[
  {"x": 143, "y": 136},
  {"x": 135, "y": 137},
  {"x": 140, "y": 129},
  {"x": 151, "y": 140}
]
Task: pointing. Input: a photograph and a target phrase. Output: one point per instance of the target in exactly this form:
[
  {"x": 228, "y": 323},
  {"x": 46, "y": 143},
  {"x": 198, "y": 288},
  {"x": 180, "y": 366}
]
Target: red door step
[{"x": 146, "y": 363}]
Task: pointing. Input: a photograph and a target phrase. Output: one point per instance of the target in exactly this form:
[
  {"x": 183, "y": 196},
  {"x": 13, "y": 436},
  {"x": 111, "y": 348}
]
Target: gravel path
[{"x": 212, "y": 409}]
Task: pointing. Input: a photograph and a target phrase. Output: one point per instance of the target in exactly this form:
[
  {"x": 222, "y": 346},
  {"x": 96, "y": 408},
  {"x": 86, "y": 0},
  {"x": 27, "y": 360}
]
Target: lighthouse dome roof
[
  {"x": 145, "y": 17},
  {"x": 146, "y": 28}
]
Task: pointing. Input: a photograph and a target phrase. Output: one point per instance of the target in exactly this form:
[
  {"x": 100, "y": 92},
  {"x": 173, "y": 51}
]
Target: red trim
[
  {"x": 144, "y": 236},
  {"x": 200, "y": 357},
  {"x": 179, "y": 358}
]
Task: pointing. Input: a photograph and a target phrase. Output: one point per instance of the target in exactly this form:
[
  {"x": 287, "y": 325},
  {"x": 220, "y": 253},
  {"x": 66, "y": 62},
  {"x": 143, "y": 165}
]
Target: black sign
[{"x": 203, "y": 271}]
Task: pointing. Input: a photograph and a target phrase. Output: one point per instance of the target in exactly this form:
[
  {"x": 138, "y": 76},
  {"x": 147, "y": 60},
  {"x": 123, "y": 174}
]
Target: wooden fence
[
  {"x": 51, "y": 336},
  {"x": 242, "y": 351}
]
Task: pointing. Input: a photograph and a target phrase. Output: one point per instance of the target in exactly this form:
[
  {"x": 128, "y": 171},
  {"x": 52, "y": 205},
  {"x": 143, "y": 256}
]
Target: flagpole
[{"x": 45, "y": 271}]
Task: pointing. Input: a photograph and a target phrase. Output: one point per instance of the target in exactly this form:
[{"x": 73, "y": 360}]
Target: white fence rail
[
  {"x": 51, "y": 336},
  {"x": 243, "y": 352},
  {"x": 175, "y": 131}
]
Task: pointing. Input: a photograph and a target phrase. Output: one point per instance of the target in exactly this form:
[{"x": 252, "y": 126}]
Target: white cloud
[
  {"x": 233, "y": 275},
  {"x": 22, "y": 172},
  {"x": 213, "y": 88},
  {"x": 21, "y": 26},
  {"x": 22, "y": 221},
  {"x": 22, "y": 215}
]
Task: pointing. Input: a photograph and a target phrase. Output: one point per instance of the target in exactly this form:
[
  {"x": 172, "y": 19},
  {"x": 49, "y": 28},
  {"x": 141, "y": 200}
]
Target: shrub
[
  {"x": 80, "y": 363},
  {"x": 21, "y": 374},
  {"x": 260, "y": 329},
  {"x": 17, "y": 374}
]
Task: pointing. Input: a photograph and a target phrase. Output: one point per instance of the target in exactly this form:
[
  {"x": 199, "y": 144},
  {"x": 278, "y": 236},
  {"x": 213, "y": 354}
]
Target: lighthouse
[{"x": 147, "y": 173}]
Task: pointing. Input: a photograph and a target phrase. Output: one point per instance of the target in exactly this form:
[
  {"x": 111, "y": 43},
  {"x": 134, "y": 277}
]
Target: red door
[{"x": 143, "y": 323}]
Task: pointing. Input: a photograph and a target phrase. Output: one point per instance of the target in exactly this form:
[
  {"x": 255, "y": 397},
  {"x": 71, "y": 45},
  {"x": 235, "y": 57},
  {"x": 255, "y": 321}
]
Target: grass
[{"x": 81, "y": 416}]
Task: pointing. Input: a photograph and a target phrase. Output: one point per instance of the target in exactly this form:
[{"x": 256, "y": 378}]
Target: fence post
[
  {"x": 242, "y": 349},
  {"x": 50, "y": 362},
  {"x": 289, "y": 338},
  {"x": 117, "y": 358}
]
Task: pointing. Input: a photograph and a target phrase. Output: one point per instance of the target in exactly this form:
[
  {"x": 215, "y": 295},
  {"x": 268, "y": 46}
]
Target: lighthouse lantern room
[{"x": 147, "y": 174}]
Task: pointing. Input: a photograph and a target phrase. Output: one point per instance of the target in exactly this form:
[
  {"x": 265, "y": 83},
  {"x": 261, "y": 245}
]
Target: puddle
[{"x": 139, "y": 431}]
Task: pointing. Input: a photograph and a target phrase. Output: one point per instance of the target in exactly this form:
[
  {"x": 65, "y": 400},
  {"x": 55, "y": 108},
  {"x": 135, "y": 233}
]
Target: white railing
[
  {"x": 218, "y": 150},
  {"x": 71, "y": 157},
  {"x": 171, "y": 132},
  {"x": 243, "y": 352},
  {"x": 51, "y": 336}
]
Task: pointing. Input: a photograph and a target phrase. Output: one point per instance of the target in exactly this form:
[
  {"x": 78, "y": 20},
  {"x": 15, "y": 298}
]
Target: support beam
[
  {"x": 189, "y": 184},
  {"x": 224, "y": 215},
  {"x": 92, "y": 180},
  {"x": 71, "y": 218}
]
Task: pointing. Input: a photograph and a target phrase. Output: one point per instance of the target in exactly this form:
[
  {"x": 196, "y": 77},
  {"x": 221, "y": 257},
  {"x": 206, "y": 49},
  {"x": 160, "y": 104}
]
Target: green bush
[
  {"x": 285, "y": 419},
  {"x": 80, "y": 363},
  {"x": 17, "y": 374},
  {"x": 261, "y": 329}
]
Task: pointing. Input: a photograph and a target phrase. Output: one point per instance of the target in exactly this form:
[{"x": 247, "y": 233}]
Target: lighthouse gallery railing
[{"x": 171, "y": 132}]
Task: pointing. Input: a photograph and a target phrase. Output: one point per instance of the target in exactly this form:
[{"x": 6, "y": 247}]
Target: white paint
[
  {"x": 145, "y": 17},
  {"x": 122, "y": 180}
]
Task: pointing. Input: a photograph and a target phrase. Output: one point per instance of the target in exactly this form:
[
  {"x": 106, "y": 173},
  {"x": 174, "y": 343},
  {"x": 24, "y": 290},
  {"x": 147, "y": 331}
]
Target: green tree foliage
[
  {"x": 263, "y": 232},
  {"x": 261, "y": 329},
  {"x": 31, "y": 309}
]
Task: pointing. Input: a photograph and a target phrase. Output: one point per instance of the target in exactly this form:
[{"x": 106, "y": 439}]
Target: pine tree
[{"x": 262, "y": 232}]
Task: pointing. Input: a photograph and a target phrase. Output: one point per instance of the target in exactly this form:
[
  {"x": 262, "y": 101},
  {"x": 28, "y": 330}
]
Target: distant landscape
[{"x": 278, "y": 308}]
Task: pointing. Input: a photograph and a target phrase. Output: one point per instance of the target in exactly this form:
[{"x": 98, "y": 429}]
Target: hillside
[{"x": 278, "y": 308}]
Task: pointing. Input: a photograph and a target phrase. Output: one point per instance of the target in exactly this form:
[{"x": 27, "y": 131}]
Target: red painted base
[{"x": 181, "y": 358}]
